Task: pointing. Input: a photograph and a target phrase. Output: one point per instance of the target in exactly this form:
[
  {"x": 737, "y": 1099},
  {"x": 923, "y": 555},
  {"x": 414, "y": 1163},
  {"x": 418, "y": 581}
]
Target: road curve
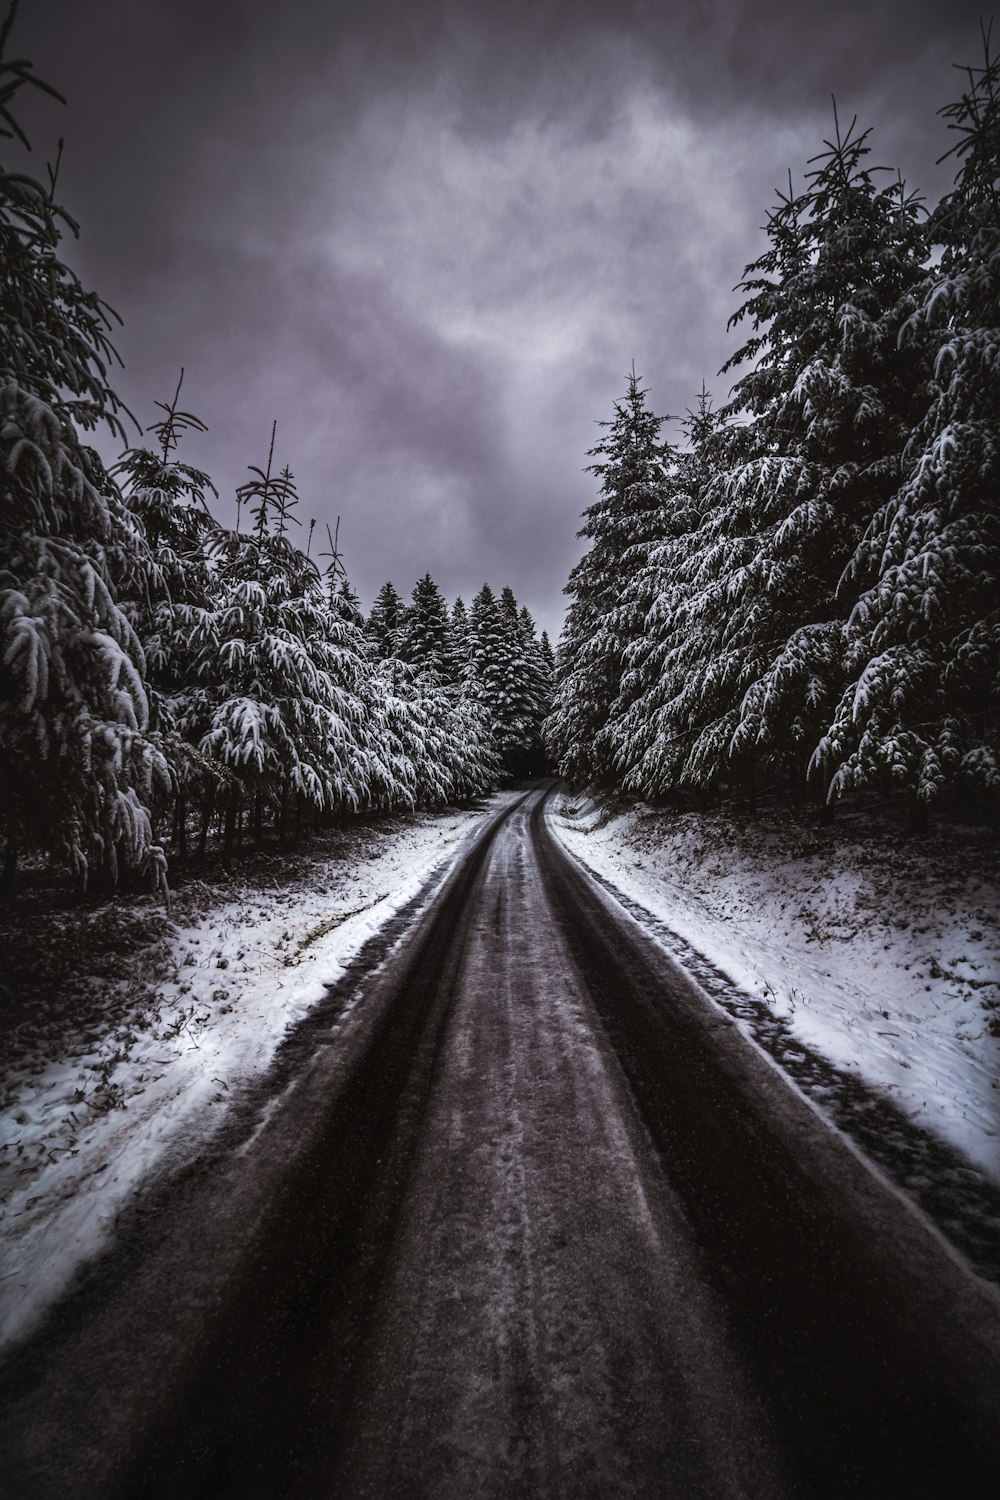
[{"x": 519, "y": 1214}]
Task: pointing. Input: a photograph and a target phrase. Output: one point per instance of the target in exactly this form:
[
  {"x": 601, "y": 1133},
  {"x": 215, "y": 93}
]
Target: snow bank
[
  {"x": 142, "y": 1087},
  {"x": 882, "y": 953}
]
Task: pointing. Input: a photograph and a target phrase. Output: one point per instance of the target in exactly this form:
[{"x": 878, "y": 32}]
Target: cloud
[{"x": 431, "y": 237}]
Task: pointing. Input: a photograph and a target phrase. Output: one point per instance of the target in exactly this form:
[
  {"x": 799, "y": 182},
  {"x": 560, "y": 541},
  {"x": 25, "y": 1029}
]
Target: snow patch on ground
[
  {"x": 881, "y": 952},
  {"x": 140, "y": 1077}
]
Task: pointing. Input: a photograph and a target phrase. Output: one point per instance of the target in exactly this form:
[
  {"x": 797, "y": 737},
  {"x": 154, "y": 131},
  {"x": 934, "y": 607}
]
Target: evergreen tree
[
  {"x": 278, "y": 678},
  {"x": 425, "y": 634},
  {"x": 270, "y": 497},
  {"x": 649, "y": 729},
  {"x": 504, "y": 678},
  {"x": 539, "y": 684},
  {"x": 433, "y": 746},
  {"x": 386, "y": 622},
  {"x": 457, "y": 660},
  {"x": 490, "y": 670},
  {"x": 168, "y": 498},
  {"x": 77, "y": 766},
  {"x": 548, "y": 657},
  {"x": 922, "y": 699},
  {"x": 598, "y": 625},
  {"x": 755, "y": 659},
  {"x": 835, "y": 397}
]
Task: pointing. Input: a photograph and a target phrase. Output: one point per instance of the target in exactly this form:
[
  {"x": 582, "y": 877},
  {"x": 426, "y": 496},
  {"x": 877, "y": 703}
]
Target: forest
[
  {"x": 799, "y": 594},
  {"x": 167, "y": 679}
]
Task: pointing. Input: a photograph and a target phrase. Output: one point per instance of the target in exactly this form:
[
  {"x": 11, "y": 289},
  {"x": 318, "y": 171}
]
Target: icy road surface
[{"x": 517, "y": 1213}]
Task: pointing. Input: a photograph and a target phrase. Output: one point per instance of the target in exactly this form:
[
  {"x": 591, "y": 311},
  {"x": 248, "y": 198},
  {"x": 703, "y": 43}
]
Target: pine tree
[
  {"x": 432, "y": 746},
  {"x": 278, "y": 699},
  {"x": 835, "y": 398},
  {"x": 457, "y": 661},
  {"x": 168, "y": 498},
  {"x": 649, "y": 727},
  {"x": 598, "y": 628},
  {"x": 539, "y": 685},
  {"x": 830, "y": 400},
  {"x": 490, "y": 670},
  {"x": 504, "y": 678},
  {"x": 548, "y": 660},
  {"x": 270, "y": 497},
  {"x": 922, "y": 700},
  {"x": 77, "y": 767},
  {"x": 425, "y": 634},
  {"x": 386, "y": 622}
]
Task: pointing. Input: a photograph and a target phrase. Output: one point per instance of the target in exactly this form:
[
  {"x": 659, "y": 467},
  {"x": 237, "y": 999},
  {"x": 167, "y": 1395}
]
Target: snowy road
[{"x": 519, "y": 1213}]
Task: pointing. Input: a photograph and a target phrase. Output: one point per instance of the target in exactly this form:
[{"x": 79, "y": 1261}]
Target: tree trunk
[
  {"x": 9, "y": 860},
  {"x": 232, "y": 816},
  {"x": 180, "y": 828},
  {"x": 258, "y": 822},
  {"x": 206, "y": 823}
]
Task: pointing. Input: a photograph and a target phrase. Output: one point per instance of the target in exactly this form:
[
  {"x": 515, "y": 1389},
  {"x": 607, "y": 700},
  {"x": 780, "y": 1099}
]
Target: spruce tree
[
  {"x": 425, "y": 635},
  {"x": 599, "y": 628},
  {"x": 77, "y": 766},
  {"x": 649, "y": 730},
  {"x": 278, "y": 670},
  {"x": 386, "y": 622},
  {"x": 168, "y": 498},
  {"x": 922, "y": 701},
  {"x": 457, "y": 664},
  {"x": 826, "y": 411}
]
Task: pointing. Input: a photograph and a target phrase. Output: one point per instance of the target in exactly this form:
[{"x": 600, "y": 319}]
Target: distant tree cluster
[
  {"x": 806, "y": 588},
  {"x": 490, "y": 657},
  {"x": 163, "y": 676}
]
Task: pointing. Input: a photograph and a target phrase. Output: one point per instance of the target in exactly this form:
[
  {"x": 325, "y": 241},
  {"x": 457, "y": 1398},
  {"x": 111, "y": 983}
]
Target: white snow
[
  {"x": 82, "y": 1129},
  {"x": 882, "y": 954}
]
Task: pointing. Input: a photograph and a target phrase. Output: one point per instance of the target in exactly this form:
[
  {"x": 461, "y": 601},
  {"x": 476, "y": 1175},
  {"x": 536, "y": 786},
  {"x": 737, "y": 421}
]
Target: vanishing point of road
[{"x": 517, "y": 1213}]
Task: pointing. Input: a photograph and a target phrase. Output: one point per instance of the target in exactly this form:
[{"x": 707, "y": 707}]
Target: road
[{"x": 519, "y": 1214}]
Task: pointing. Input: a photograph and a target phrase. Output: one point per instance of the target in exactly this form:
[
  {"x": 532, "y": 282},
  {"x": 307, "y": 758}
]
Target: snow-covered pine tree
[
  {"x": 425, "y": 634},
  {"x": 539, "y": 686},
  {"x": 504, "y": 678},
  {"x": 279, "y": 672},
  {"x": 648, "y": 731},
  {"x": 457, "y": 663},
  {"x": 168, "y": 498},
  {"x": 922, "y": 703},
  {"x": 524, "y": 706},
  {"x": 548, "y": 656},
  {"x": 831, "y": 399},
  {"x": 432, "y": 746},
  {"x": 598, "y": 628},
  {"x": 491, "y": 647},
  {"x": 77, "y": 767},
  {"x": 386, "y": 621}
]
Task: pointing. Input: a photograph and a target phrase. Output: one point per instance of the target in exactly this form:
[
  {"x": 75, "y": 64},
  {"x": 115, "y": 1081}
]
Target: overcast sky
[{"x": 430, "y": 238}]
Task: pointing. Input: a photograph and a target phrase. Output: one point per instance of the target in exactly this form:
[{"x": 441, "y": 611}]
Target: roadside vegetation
[
  {"x": 170, "y": 683},
  {"x": 798, "y": 597}
]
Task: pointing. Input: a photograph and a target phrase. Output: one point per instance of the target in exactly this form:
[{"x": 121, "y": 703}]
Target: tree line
[
  {"x": 164, "y": 677},
  {"x": 492, "y": 653},
  {"x": 803, "y": 590}
]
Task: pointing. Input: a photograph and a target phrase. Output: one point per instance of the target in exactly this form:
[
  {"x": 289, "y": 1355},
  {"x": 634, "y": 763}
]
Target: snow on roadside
[
  {"x": 881, "y": 953},
  {"x": 87, "y": 1119}
]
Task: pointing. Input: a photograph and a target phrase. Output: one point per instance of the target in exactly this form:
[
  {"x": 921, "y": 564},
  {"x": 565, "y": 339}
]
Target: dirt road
[{"x": 519, "y": 1213}]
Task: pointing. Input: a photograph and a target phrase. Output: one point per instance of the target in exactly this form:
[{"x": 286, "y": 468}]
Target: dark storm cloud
[{"x": 430, "y": 237}]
